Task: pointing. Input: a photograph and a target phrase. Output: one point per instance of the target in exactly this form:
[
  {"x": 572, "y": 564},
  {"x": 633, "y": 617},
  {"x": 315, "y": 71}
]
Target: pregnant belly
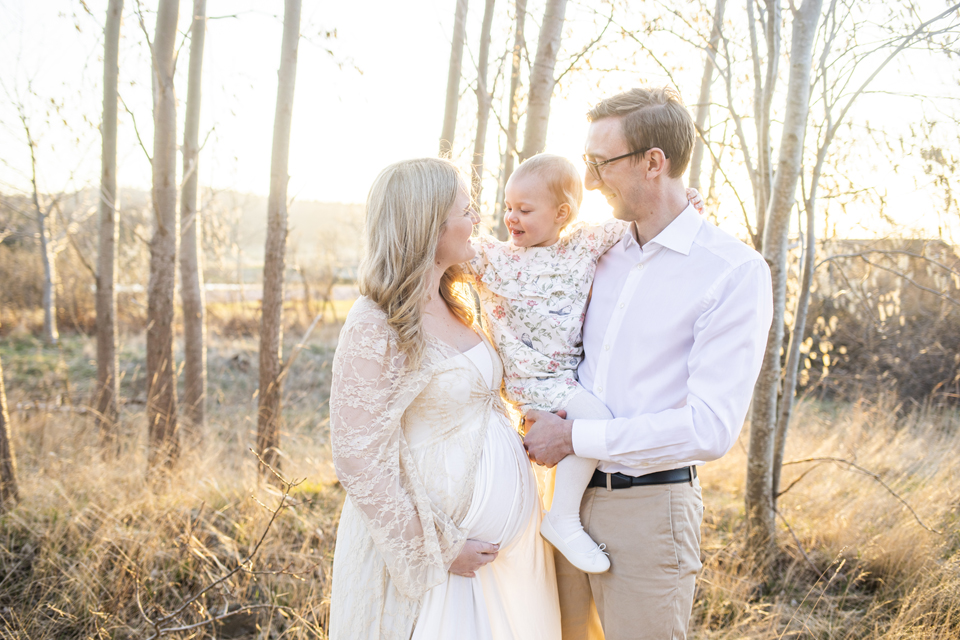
[{"x": 505, "y": 494}]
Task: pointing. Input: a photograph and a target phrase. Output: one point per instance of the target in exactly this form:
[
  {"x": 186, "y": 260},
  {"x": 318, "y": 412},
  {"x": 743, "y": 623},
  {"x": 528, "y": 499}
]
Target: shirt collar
[{"x": 678, "y": 235}]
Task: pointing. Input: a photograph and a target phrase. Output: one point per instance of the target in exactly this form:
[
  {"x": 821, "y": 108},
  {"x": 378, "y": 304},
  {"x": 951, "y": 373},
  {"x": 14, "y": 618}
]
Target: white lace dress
[
  {"x": 428, "y": 460},
  {"x": 514, "y": 597}
]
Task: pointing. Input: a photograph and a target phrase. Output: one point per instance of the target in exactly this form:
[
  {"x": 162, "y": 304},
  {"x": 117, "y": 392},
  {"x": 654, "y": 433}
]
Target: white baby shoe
[{"x": 593, "y": 561}]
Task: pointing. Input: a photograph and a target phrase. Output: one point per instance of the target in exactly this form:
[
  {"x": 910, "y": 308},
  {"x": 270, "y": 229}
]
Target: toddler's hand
[{"x": 694, "y": 197}]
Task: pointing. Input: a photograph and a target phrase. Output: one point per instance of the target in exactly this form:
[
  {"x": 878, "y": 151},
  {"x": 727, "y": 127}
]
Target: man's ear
[
  {"x": 655, "y": 163},
  {"x": 563, "y": 213}
]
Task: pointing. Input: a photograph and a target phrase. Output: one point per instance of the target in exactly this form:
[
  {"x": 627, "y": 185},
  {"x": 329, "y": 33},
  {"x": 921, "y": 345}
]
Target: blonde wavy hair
[{"x": 407, "y": 209}]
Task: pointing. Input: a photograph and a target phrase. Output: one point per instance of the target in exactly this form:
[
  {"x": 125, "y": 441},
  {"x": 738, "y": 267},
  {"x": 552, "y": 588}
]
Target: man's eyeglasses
[{"x": 595, "y": 166}]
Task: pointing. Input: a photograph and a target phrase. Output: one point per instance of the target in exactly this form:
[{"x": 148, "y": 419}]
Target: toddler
[{"x": 533, "y": 293}]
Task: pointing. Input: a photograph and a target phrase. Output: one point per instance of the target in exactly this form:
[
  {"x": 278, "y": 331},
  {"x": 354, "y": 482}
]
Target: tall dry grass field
[
  {"x": 91, "y": 535},
  {"x": 860, "y": 558}
]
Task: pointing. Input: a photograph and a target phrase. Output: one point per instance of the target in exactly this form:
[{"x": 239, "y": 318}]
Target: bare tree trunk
[
  {"x": 47, "y": 254},
  {"x": 9, "y": 492},
  {"x": 703, "y": 102},
  {"x": 50, "y": 333},
  {"x": 764, "y": 86},
  {"x": 513, "y": 111},
  {"x": 483, "y": 101},
  {"x": 164, "y": 446},
  {"x": 108, "y": 386},
  {"x": 542, "y": 81},
  {"x": 271, "y": 338},
  {"x": 453, "y": 79},
  {"x": 765, "y": 157},
  {"x": 761, "y": 516},
  {"x": 793, "y": 351},
  {"x": 191, "y": 271}
]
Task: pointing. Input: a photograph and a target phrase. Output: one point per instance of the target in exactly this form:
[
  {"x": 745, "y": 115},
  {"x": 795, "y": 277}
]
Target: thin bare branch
[
  {"x": 196, "y": 625},
  {"x": 867, "y": 472},
  {"x": 135, "y": 129},
  {"x": 296, "y": 351},
  {"x": 586, "y": 49},
  {"x": 797, "y": 541},
  {"x": 903, "y": 44},
  {"x": 143, "y": 27},
  {"x": 889, "y": 252},
  {"x": 83, "y": 259},
  {"x": 899, "y": 274},
  {"x": 242, "y": 565},
  {"x": 743, "y": 207}
]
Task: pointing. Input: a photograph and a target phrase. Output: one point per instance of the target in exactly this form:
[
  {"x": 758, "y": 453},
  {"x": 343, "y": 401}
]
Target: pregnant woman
[{"x": 438, "y": 537}]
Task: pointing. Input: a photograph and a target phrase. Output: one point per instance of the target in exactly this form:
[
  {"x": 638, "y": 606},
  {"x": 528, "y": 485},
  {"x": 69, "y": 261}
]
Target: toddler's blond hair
[{"x": 562, "y": 178}]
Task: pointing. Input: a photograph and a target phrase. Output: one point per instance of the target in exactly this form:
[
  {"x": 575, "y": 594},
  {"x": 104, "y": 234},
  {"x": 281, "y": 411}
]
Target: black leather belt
[{"x": 623, "y": 481}]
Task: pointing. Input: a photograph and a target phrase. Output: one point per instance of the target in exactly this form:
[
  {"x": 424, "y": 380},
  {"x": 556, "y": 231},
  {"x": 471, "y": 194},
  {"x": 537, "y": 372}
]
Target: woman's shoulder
[
  {"x": 365, "y": 311},
  {"x": 365, "y": 318}
]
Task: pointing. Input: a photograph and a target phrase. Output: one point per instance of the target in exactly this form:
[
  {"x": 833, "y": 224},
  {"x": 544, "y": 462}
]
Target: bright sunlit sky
[{"x": 378, "y": 97}]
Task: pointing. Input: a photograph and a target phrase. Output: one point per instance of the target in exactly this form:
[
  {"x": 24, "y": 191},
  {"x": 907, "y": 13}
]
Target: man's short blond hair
[
  {"x": 561, "y": 176},
  {"x": 652, "y": 117}
]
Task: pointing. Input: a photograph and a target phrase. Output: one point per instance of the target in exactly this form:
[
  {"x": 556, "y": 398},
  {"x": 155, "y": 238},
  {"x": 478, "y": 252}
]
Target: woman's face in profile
[{"x": 454, "y": 244}]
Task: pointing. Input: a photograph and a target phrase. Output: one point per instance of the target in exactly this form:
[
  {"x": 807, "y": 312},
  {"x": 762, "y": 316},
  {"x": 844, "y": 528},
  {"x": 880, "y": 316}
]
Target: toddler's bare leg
[{"x": 564, "y": 529}]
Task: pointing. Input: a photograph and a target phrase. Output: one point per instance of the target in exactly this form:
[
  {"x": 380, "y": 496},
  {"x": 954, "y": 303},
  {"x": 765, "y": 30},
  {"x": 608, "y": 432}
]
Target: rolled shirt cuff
[{"x": 590, "y": 439}]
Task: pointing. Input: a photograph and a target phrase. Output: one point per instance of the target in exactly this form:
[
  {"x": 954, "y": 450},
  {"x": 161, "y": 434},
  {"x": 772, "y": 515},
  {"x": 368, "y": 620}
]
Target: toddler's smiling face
[{"x": 531, "y": 213}]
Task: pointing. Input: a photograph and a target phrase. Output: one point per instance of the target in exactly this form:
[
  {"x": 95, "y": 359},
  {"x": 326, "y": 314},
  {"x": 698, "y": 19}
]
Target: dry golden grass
[
  {"x": 87, "y": 530},
  {"x": 873, "y": 570}
]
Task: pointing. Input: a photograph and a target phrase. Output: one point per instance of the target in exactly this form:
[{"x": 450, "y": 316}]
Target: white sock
[{"x": 572, "y": 477}]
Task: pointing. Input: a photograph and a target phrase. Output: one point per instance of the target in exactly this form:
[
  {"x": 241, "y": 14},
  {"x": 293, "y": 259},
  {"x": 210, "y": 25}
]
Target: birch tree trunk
[
  {"x": 513, "y": 111},
  {"x": 9, "y": 492},
  {"x": 764, "y": 86},
  {"x": 703, "y": 102},
  {"x": 453, "y": 79},
  {"x": 191, "y": 272},
  {"x": 51, "y": 335},
  {"x": 760, "y": 508},
  {"x": 542, "y": 79},
  {"x": 271, "y": 336},
  {"x": 164, "y": 446},
  {"x": 792, "y": 368},
  {"x": 48, "y": 256},
  {"x": 483, "y": 101},
  {"x": 108, "y": 386}
]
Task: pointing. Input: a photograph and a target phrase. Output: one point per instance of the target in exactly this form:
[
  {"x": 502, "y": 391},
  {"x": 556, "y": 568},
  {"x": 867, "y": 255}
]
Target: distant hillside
[{"x": 314, "y": 227}]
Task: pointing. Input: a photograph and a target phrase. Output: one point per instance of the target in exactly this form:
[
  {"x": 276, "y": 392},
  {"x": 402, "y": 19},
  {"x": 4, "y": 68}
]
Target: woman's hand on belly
[{"x": 475, "y": 554}]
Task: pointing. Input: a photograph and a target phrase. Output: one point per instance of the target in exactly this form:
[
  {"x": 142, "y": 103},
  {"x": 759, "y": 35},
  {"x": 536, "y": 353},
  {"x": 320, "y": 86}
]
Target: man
[{"x": 673, "y": 341}]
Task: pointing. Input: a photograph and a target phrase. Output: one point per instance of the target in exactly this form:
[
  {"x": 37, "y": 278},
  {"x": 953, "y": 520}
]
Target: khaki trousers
[{"x": 652, "y": 534}]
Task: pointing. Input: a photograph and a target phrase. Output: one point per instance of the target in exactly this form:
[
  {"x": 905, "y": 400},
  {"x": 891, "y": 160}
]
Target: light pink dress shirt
[{"x": 673, "y": 341}]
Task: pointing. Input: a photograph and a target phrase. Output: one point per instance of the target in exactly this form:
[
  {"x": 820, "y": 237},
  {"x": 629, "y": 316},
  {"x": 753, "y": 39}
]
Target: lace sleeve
[{"x": 371, "y": 389}]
